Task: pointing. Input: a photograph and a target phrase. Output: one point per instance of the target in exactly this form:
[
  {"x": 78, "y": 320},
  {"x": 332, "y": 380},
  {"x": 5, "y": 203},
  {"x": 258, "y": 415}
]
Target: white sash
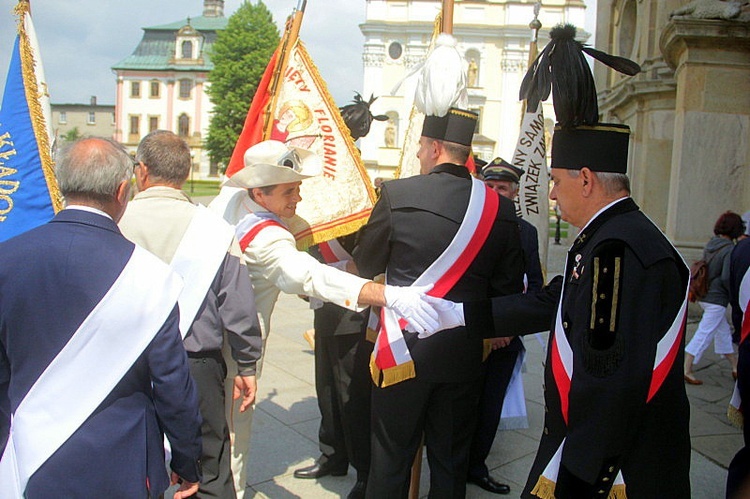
[
  {"x": 202, "y": 249},
  {"x": 98, "y": 355}
]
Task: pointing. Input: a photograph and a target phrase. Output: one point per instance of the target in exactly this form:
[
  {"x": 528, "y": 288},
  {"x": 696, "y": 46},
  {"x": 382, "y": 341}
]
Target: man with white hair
[
  {"x": 257, "y": 199},
  {"x": 92, "y": 368}
]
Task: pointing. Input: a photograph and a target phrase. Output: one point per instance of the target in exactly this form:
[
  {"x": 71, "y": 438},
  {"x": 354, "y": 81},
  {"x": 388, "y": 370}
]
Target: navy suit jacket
[{"x": 50, "y": 279}]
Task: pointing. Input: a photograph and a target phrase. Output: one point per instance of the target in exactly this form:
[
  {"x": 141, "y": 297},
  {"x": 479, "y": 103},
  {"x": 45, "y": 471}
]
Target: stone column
[{"x": 710, "y": 168}]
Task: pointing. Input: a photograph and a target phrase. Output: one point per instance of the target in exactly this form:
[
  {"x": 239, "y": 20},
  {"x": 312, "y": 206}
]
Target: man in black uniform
[
  {"x": 503, "y": 178},
  {"x": 342, "y": 380},
  {"x": 616, "y": 422},
  {"x": 411, "y": 226}
]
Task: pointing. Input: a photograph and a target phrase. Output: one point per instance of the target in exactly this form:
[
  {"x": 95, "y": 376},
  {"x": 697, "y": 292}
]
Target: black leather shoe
[
  {"x": 358, "y": 491},
  {"x": 490, "y": 484},
  {"x": 321, "y": 469}
]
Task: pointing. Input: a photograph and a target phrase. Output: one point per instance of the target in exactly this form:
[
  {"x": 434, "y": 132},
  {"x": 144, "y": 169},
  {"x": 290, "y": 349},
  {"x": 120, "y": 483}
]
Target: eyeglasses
[
  {"x": 290, "y": 159},
  {"x": 136, "y": 164}
]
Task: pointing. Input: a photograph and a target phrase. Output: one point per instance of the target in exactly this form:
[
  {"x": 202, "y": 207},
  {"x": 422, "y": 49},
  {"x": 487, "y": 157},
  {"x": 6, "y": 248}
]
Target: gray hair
[
  {"x": 166, "y": 155},
  {"x": 613, "y": 183},
  {"x": 457, "y": 152},
  {"x": 93, "y": 168}
]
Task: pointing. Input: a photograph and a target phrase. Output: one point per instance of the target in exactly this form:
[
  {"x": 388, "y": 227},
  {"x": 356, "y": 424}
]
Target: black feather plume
[{"x": 561, "y": 69}]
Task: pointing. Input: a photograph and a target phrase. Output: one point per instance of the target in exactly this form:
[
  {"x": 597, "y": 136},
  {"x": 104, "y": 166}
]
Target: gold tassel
[
  {"x": 391, "y": 375},
  {"x": 544, "y": 488},
  {"x": 617, "y": 492},
  {"x": 374, "y": 371},
  {"x": 486, "y": 349},
  {"x": 735, "y": 417}
]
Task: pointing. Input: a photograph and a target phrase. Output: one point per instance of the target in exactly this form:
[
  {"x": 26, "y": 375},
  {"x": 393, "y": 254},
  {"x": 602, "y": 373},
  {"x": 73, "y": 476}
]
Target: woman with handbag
[{"x": 714, "y": 325}]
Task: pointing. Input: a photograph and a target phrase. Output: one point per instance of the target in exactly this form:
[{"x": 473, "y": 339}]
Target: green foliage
[
  {"x": 240, "y": 56},
  {"x": 72, "y": 135}
]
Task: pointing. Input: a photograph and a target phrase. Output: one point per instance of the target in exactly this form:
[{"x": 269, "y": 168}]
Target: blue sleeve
[{"x": 176, "y": 398}]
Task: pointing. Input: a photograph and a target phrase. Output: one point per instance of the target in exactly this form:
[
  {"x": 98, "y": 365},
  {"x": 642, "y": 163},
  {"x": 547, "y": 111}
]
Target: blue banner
[{"x": 25, "y": 199}]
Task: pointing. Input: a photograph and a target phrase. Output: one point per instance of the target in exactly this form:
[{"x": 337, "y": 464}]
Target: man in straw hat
[
  {"x": 257, "y": 199},
  {"x": 446, "y": 228},
  {"x": 616, "y": 416}
]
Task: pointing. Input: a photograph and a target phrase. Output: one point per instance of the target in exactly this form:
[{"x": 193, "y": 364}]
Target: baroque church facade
[
  {"x": 494, "y": 37},
  {"x": 688, "y": 109},
  {"x": 162, "y": 84}
]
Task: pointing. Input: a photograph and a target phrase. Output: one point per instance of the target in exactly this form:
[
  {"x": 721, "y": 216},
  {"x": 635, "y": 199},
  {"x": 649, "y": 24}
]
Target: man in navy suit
[{"x": 92, "y": 367}]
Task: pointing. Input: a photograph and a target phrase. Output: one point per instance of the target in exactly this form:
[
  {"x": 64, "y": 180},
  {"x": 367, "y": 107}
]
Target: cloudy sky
[{"x": 81, "y": 40}]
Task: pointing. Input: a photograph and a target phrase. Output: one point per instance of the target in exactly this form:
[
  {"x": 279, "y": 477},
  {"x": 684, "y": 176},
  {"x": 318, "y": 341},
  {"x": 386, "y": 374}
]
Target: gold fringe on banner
[
  {"x": 544, "y": 488},
  {"x": 617, "y": 492},
  {"x": 35, "y": 107},
  {"x": 735, "y": 416}
]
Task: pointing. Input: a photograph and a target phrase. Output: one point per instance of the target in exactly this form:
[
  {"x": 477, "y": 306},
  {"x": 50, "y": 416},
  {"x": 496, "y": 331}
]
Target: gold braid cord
[{"x": 35, "y": 107}]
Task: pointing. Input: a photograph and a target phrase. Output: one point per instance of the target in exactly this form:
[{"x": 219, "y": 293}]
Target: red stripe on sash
[
  {"x": 254, "y": 230},
  {"x": 457, "y": 270},
  {"x": 745, "y": 324},
  {"x": 662, "y": 370},
  {"x": 385, "y": 358},
  {"x": 561, "y": 379},
  {"x": 327, "y": 253}
]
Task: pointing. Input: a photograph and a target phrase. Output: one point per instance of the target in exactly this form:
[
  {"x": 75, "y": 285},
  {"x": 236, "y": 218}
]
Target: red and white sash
[
  {"x": 735, "y": 412},
  {"x": 561, "y": 359},
  {"x": 391, "y": 361},
  {"x": 251, "y": 225}
]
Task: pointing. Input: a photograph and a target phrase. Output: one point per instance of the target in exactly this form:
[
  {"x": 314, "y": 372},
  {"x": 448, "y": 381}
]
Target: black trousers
[
  {"x": 208, "y": 372},
  {"x": 498, "y": 371},
  {"x": 445, "y": 413},
  {"x": 342, "y": 385}
]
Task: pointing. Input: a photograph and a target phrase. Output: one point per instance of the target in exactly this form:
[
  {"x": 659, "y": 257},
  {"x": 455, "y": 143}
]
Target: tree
[
  {"x": 72, "y": 135},
  {"x": 240, "y": 55}
]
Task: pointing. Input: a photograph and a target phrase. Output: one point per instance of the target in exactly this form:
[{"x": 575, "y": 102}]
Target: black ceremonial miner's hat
[
  {"x": 456, "y": 126},
  {"x": 579, "y": 139}
]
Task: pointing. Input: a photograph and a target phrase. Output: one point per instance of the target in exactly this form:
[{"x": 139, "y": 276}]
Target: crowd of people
[{"x": 155, "y": 312}]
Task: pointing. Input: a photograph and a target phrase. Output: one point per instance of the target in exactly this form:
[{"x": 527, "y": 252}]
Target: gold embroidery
[
  {"x": 594, "y": 293},
  {"x": 615, "y": 294}
]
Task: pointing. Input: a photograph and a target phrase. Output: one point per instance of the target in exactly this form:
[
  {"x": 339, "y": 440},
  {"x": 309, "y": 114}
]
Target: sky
[{"x": 80, "y": 40}]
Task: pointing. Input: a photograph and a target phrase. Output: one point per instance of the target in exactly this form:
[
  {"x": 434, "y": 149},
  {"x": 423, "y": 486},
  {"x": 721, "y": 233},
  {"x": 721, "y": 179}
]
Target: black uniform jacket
[
  {"x": 624, "y": 285},
  {"x": 330, "y": 319},
  {"x": 412, "y": 223}
]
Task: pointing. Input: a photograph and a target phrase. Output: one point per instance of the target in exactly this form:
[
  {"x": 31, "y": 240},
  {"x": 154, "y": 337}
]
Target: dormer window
[
  {"x": 187, "y": 49},
  {"x": 188, "y": 44}
]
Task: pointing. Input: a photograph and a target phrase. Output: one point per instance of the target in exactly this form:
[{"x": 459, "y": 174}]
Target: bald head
[{"x": 93, "y": 168}]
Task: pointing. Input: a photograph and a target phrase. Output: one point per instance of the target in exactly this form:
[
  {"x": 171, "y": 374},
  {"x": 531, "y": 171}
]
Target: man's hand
[
  {"x": 186, "y": 488},
  {"x": 407, "y": 301},
  {"x": 245, "y": 387},
  {"x": 502, "y": 342},
  {"x": 450, "y": 315}
]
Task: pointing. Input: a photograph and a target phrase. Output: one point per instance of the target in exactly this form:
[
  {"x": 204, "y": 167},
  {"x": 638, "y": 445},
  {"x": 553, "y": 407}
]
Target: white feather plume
[{"x": 442, "y": 80}]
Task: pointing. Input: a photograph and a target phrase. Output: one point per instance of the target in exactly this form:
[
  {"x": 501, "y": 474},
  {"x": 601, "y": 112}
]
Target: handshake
[{"x": 424, "y": 314}]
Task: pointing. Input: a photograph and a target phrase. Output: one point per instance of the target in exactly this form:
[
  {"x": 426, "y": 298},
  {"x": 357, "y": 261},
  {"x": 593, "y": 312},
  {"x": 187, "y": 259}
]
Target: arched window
[
  {"x": 186, "y": 86},
  {"x": 183, "y": 125},
  {"x": 187, "y": 49}
]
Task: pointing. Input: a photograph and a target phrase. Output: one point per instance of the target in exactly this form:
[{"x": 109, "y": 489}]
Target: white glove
[
  {"x": 407, "y": 302},
  {"x": 450, "y": 315}
]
